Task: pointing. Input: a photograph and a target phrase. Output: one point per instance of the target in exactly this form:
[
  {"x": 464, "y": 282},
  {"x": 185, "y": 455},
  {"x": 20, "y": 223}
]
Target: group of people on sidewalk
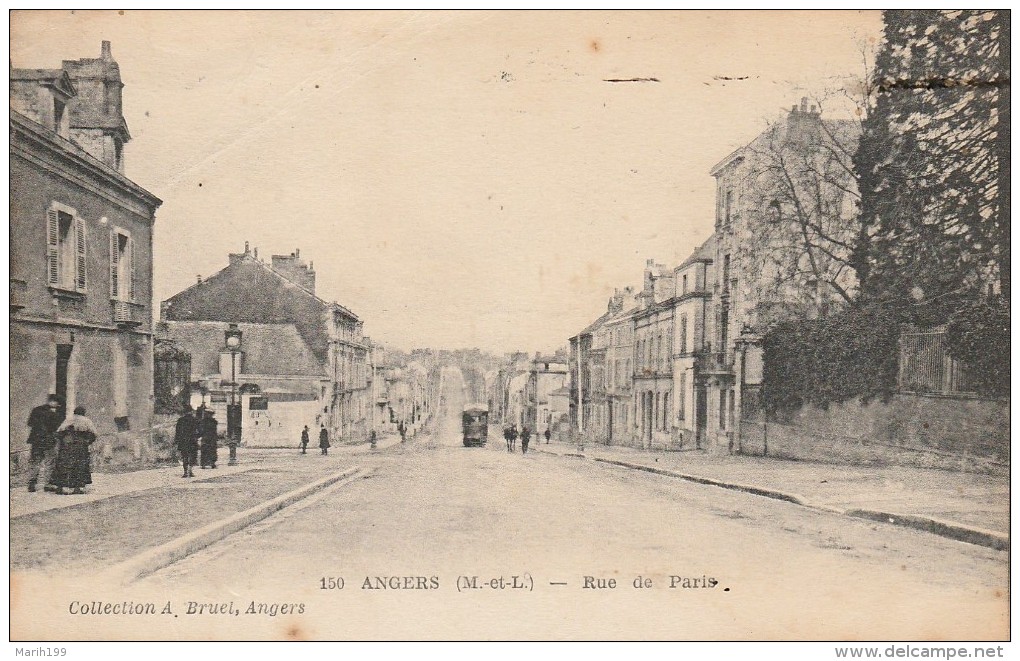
[
  {"x": 59, "y": 455},
  {"x": 510, "y": 433},
  {"x": 323, "y": 440},
  {"x": 197, "y": 439}
]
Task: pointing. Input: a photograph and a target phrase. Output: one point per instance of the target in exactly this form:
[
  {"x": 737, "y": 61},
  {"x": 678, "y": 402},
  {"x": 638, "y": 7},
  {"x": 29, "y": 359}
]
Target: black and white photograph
[{"x": 507, "y": 325}]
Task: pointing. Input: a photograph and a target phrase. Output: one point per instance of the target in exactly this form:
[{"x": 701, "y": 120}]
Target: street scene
[{"x": 446, "y": 402}]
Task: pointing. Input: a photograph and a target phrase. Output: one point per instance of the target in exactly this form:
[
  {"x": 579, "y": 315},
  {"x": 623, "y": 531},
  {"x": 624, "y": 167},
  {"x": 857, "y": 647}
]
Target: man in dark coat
[
  {"x": 506, "y": 435},
  {"x": 42, "y": 423},
  {"x": 186, "y": 438},
  {"x": 208, "y": 433},
  {"x": 548, "y": 435},
  {"x": 513, "y": 437},
  {"x": 525, "y": 439},
  {"x": 324, "y": 440},
  {"x": 304, "y": 440}
]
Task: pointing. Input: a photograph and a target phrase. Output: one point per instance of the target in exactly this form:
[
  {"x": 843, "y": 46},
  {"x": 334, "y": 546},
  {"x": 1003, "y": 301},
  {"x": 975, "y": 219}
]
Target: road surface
[{"x": 433, "y": 540}]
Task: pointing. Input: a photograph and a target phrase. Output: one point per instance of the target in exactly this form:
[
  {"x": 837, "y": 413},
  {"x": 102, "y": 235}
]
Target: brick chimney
[
  {"x": 803, "y": 123},
  {"x": 294, "y": 269}
]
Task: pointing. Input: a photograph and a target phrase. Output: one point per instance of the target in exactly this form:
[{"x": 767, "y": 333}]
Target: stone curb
[
  {"x": 746, "y": 488},
  {"x": 959, "y": 532},
  {"x": 166, "y": 554}
]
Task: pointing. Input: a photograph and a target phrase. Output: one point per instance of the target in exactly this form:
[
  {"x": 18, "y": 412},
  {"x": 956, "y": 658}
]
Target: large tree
[{"x": 933, "y": 164}]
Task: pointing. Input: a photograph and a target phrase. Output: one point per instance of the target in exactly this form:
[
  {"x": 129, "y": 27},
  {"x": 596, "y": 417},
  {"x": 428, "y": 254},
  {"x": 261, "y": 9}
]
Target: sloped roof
[
  {"x": 57, "y": 78},
  {"x": 702, "y": 253},
  {"x": 269, "y": 349},
  {"x": 595, "y": 324}
]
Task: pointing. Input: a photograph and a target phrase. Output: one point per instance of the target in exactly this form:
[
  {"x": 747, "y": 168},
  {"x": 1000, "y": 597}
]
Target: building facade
[
  {"x": 653, "y": 342},
  {"x": 619, "y": 369},
  {"x": 546, "y": 374},
  {"x": 692, "y": 345},
  {"x": 249, "y": 291},
  {"x": 80, "y": 254},
  {"x": 785, "y": 209}
]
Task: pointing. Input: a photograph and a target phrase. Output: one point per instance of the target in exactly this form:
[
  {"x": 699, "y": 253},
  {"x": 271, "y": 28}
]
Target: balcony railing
[
  {"x": 715, "y": 362},
  {"x": 124, "y": 314}
]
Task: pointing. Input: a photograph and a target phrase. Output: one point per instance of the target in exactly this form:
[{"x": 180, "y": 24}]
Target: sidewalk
[
  {"x": 109, "y": 485},
  {"x": 966, "y": 506}
]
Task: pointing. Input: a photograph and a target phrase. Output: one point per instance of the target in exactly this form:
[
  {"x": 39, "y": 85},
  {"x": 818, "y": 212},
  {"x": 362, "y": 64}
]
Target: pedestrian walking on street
[
  {"x": 43, "y": 422},
  {"x": 548, "y": 435},
  {"x": 304, "y": 440},
  {"x": 513, "y": 438},
  {"x": 324, "y": 440},
  {"x": 525, "y": 439},
  {"x": 186, "y": 438},
  {"x": 73, "y": 468},
  {"x": 208, "y": 439},
  {"x": 506, "y": 435}
]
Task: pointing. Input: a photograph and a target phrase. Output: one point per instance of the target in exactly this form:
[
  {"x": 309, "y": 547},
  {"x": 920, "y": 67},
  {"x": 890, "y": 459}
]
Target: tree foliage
[
  {"x": 804, "y": 209},
  {"x": 850, "y": 354},
  {"x": 933, "y": 163}
]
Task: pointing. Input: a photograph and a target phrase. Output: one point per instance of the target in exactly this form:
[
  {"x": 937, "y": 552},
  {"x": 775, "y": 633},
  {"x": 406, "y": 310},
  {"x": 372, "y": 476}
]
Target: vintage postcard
[{"x": 510, "y": 325}]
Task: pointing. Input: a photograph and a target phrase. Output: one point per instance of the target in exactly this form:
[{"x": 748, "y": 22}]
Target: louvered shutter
[
  {"x": 131, "y": 256},
  {"x": 114, "y": 266},
  {"x": 52, "y": 247},
  {"x": 80, "y": 262}
]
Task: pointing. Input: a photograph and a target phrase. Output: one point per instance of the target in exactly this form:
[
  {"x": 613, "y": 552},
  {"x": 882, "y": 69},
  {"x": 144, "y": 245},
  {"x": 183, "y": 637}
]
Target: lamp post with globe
[{"x": 233, "y": 342}]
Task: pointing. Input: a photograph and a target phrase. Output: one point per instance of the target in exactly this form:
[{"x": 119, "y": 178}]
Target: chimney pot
[
  {"x": 246, "y": 250},
  {"x": 803, "y": 104},
  {"x": 297, "y": 252},
  {"x": 107, "y": 55},
  {"x": 256, "y": 252},
  {"x": 794, "y": 109},
  {"x": 199, "y": 278}
]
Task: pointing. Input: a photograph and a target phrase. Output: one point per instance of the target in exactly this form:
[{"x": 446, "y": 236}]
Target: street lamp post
[{"x": 233, "y": 341}]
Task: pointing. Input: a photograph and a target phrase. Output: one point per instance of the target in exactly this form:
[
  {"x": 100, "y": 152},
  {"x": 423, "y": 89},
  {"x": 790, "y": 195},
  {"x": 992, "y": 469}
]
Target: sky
[{"x": 458, "y": 179}]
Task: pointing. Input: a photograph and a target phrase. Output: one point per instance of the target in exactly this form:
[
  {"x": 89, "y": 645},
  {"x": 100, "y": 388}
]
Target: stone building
[
  {"x": 692, "y": 353},
  {"x": 276, "y": 303},
  {"x": 546, "y": 374},
  {"x": 80, "y": 255},
  {"x": 785, "y": 210},
  {"x": 653, "y": 365},
  {"x": 619, "y": 329}
]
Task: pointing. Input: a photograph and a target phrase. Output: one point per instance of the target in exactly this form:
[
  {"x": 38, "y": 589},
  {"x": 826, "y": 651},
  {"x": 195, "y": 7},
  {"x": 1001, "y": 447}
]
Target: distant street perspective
[
  {"x": 434, "y": 534},
  {"x": 510, "y": 325}
]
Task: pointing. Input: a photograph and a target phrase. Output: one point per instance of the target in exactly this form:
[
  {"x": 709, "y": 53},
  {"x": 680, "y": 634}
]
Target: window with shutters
[
  {"x": 122, "y": 265},
  {"x": 65, "y": 249}
]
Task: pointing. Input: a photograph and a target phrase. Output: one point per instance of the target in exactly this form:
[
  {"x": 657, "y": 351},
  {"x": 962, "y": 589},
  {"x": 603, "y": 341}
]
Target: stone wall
[{"x": 953, "y": 433}]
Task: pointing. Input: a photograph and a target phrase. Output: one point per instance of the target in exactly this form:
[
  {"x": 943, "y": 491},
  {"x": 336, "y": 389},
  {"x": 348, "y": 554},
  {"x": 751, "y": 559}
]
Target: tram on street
[{"x": 475, "y": 425}]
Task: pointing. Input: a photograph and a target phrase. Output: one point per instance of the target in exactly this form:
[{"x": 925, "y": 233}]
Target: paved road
[{"x": 433, "y": 511}]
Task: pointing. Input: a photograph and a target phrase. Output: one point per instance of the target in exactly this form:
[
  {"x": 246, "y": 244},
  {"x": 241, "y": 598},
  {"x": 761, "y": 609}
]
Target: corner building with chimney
[
  {"x": 300, "y": 359},
  {"x": 80, "y": 256}
]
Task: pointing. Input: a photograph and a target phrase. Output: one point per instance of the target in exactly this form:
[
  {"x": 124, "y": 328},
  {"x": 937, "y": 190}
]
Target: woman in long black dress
[{"x": 73, "y": 469}]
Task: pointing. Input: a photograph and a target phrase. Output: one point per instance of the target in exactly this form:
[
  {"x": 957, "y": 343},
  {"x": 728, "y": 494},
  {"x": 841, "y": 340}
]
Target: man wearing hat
[
  {"x": 43, "y": 423},
  {"x": 186, "y": 438}
]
